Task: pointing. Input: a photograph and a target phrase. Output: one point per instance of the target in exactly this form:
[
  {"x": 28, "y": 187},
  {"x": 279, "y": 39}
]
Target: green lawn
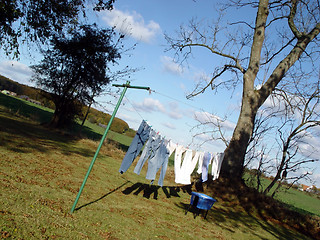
[{"x": 41, "y": 172}]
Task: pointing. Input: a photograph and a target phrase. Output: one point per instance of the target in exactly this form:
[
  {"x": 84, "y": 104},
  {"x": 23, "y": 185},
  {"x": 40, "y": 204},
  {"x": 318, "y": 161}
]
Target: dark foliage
[
  {"x": 39, "y": 20},
  {"x": 75, "y": 69}
]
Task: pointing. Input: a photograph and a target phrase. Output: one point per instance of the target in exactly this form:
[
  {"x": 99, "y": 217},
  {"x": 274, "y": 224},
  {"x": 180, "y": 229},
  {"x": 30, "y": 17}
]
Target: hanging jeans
[
  {"x": 216, "y": 165},
  {"x": 136, "y": 145},
  {"x": 149, "y": 150},
  {"x": 157, "y": 150},
  {"x": 159, "y": 160}
]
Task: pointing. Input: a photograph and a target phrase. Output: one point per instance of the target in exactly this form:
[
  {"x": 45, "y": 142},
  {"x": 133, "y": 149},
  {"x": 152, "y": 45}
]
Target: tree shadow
[
  {"x": 147, "y": 190},
  {"x": 254, "y": 208},
  {"x": 233, "y": 220},
  {"x": 21, "y": 135},
  {"x": 24, "y": 109}
]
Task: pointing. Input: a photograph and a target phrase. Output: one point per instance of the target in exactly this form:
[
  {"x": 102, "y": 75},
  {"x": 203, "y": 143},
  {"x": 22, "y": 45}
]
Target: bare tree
[
  {"x": 272, "y": 52},
  {"x": 210, "y": 128},
  {"x": 299, "y": 121}
]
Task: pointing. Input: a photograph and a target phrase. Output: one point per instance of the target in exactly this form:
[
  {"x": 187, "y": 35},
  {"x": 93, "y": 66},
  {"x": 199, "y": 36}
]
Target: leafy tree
[
  {"x": 257, "y": 55},
  {"x": 39, "y": 20},
  {"x": 75, "y": 69}
]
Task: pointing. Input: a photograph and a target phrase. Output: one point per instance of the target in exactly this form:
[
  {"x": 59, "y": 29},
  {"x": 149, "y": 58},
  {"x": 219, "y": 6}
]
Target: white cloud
[
  {"x": 201, "y": 76},
  {"x": 16, "y": 71},
  {"x": 205, "y": 118},
  {"x": 170, "y": 66},
  {"x": 150, "y": 105},
  {"x": 309, "y": 146},
  {"x": 132, "y": 24},
  {"x": 174, "y": 111},
  {"x": 169, "y": 125},
  {"x": 126, "y": 117},
  {"x": 203, "y": 137}
]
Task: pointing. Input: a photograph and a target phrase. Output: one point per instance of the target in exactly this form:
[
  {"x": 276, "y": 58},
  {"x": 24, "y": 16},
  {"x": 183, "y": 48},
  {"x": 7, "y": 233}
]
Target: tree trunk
[
  {"x": 57, "y": 120},
  {"x": 234, "y": 155},
  {"x": 233, "y": 163},
  {"x": 63, "y": 114}
]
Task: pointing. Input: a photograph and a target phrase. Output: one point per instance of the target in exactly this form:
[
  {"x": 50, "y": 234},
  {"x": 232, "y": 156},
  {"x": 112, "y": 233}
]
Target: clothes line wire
[
  {"x": 208, "y": 115},
  {"x": 142, "y": 118},
  {"x": 176, "y": 100}
]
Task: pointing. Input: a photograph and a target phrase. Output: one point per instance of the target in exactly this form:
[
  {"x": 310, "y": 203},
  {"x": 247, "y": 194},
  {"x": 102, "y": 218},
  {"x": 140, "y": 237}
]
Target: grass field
[{"x": 41, "y": 172}]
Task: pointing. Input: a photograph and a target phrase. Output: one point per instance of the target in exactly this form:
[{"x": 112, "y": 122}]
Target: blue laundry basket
[{"x": 201, "y": 201}]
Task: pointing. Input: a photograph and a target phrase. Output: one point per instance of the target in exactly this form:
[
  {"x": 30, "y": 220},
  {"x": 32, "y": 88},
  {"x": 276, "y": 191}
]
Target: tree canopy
[
  {"x": 75, "y": 69},
  {"x": 38, "y": 20}
]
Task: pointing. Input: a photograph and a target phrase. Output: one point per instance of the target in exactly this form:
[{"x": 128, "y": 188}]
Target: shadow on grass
[
  {"x": 232, "y": 220},
  {"x": 102, "y": 197},
  {"x": 147, "y": 190},
  {"x": 255, "y": 209},
  {"x": 20, "y": 134}
]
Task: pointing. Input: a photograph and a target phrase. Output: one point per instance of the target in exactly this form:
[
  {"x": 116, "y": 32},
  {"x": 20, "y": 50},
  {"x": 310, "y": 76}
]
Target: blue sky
[{"x": 166, "y": 108}]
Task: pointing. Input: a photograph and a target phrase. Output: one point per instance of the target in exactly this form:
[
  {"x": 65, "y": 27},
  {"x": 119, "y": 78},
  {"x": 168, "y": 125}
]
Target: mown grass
[{"x": 40, "y": 174}]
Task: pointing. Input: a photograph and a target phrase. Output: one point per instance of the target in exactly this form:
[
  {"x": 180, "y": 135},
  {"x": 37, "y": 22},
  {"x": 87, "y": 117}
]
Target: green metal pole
[{"x": 100, "y": 145}]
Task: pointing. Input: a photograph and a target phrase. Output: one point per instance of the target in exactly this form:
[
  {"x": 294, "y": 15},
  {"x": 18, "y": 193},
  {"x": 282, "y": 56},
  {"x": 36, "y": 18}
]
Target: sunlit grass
[{"x": 41, "y": 172}]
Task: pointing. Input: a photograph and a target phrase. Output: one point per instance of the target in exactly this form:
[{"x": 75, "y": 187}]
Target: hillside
[{"x": 95, "y": 116}]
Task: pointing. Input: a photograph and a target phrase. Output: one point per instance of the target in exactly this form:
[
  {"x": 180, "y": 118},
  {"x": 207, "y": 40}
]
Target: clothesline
[
  {"x": 209, "y": 117},
  {"x": 143, "y": 118},
  {"x": 157, "y": 151}
]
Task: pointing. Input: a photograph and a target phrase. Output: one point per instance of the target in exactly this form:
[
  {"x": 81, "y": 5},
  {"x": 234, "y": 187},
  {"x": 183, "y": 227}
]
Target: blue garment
[
  {"x": 149, "y": 150},
  {"x": 136, "y": 145},
  {"x": 206, "y": 160},
  {"x": 159, "y": 160}
]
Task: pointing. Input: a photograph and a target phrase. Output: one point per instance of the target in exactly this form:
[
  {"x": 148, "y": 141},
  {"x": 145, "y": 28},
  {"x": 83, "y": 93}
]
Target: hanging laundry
[
  {"x": 157, "y": 150},
  {"x": 157, "y": 161},
  {"x": 216, "y": 165},
  {"x": 164, "y": 160},
  {"x": 171, "y": 146},
  {"x": 186, "y": 168},
  {"x": 152, "y": 145},
  {"x": 177, "y": 161},
  {"x": 205, "y": 165},
  {"x": 137, "y": 143},
  {"x": 196, "y": 160},
  {"x": 200, "y": 163}
]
